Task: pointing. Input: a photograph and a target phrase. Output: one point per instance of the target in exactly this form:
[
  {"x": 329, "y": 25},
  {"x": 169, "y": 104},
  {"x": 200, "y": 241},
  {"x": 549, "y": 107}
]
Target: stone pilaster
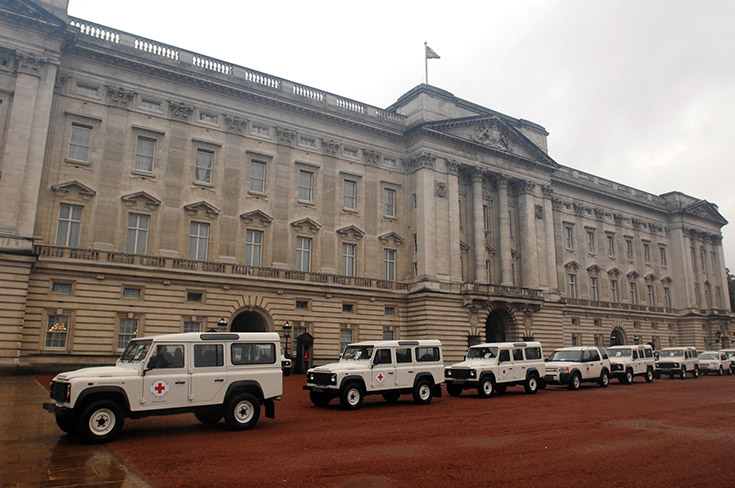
[
  {"x": 506, "y": 270},
  {"x": 529, "y": 247},
  {"x": 552, "y": 280},
  {"x": 478, "y": 227},
  {"x": 455, "y": 265}
]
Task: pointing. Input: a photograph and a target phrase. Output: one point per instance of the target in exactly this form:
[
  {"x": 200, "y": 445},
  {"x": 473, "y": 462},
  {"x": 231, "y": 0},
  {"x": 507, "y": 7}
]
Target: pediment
[
  {"x": 141, "y": 198},
  {"x": 706, "y": 210},
  {"x": 350, "y": 232},
  {"x": 650, "y": 277},
  {"x": 572, "y": 266},
  {"x": 614, "y": 272},
  {"x": 667, "y": 280},
  {"x": 256, "y": 217},
  {"x": 633, "y": 275},
  {"x": 391, "y": 238},
  {"x": 594, "y": 269},
  {"x": 31, "y": 10},
  {"x": 74, "y": 188},
  {"x": 202, "y": 209},
  {"x": 306, "y": 224},
  {"x": 463, "y": 247}
]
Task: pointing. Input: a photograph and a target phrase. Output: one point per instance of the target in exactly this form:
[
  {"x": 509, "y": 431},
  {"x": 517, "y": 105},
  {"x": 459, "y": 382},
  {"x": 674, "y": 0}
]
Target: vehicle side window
[
  {"x": 649, "y": 353},
  {"x": 504, "y": 355},
  {"x": 403, "y": 355},
  {"x": 168, "y": 356},
  {"x": 244, "y": 353},
  {"x": 635, "y": 354},
  {"x": 382, "y": 356},
  {"x": 533, "y": 353},
  {"x": 586, "y": 356},
  {"x": 517, "y": 354},
  {"x": 426, "y": 354},
  {"x": 603, "y": 351},
  {"x": 208, "y": 355}
]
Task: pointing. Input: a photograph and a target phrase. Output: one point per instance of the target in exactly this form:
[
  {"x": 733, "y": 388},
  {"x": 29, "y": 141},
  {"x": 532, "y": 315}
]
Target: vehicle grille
[
  {"x": 322, "y": 379},
  {"x": 666, "y": 365},
  {"x": 58, "y": 391},
  {"x": 617, "y": 367},
  {"x": 460, "y": 374}
]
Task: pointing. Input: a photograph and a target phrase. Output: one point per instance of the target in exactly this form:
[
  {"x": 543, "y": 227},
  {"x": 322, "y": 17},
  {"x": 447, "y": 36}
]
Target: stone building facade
[{"x": 148, "y": 189}]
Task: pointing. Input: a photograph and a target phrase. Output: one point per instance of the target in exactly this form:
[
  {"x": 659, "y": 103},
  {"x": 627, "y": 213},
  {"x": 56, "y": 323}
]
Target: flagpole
[{"x": 426, "y": 63}]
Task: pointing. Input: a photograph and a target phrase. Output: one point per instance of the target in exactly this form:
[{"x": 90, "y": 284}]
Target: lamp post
[
  {"x": 222, "y": 324},
  {"x": 287, "y": 332}
]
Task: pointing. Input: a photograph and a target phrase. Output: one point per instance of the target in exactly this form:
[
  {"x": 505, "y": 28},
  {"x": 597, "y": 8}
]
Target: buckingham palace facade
[{"x": 148, "y": 190}]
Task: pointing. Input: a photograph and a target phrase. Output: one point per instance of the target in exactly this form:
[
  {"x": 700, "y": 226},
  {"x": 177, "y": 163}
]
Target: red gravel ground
[{"x": 671, "y": 433}]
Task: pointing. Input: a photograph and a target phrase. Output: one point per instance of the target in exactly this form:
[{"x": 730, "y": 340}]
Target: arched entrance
[
  {"x": 250, "y": 321},
  {"x": 617, "y": 337},
  {"x": 498, "y": 325}
]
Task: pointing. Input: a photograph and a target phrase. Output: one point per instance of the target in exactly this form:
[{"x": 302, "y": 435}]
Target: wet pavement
[{"x": 35, "y": 453}]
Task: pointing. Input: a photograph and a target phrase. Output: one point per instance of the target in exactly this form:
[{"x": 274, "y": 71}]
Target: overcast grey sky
[{"x": 640, "y": 92}]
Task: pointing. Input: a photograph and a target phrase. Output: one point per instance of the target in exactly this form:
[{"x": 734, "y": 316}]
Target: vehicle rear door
[
  {"x": 519, "y": 364},
  {"x": 208, "y": 374},
  {"x": 404, "y": 367}
]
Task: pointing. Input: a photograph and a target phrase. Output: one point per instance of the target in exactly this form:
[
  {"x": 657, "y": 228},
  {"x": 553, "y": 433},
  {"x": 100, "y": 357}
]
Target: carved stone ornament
[
  {"x": 547, "y": 191},
  {"x": 61, "y": 81},
  {"x": 146, "y": 200},
  {"x": 235, "y": 124},
  {"x": 637, "y": 224},
  {"x": 452, "y": 167},
  {"x": 351, "y": 232},
  {"x": 201, "y": 207},
  {"x": 440, "y": 189},
  {"x": 654, "y": 228},
  {"x": 71, "y": 187},
  {"x": 491, "y": 135},
  {"x": 180, "y": 110},
  {"x": 578, "y": 209},
  {"x": 556, "y": 203},
  {"x": 421, "y": 160},
  {"x": 599, "y": 214},
  {"x": 618, "y": 219},
  {"x": 539, "y": 211},
  {"x": 391, "y": 238},
  {"x": 285, "y": 136},
  {"x": 256, "y": 217},
  {"x": 527, "y": 187},
  {"x": 120, "y": 96},
  {"x": 371, "y": 156},
  {"x": 330, "y": 146},
  {"x": 29, "y": 63},
  {"x": 306, "y": 224}
]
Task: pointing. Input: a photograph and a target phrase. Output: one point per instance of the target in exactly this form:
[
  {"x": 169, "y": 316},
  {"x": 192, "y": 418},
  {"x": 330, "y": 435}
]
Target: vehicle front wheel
[
  {"x": 423, "y": 392},
  {"x": 209, "y": 416},
  {"x": 628, "y": 377},
  {"x": 531, "y": 385},
  {"x": 242, "y": 412},
  {"x": 649, "y": 375},
  {"x": 66, "y": 423},
  {"x": 454, "y": 390},
  {"x": 575, "y": 382},
  {"x": 695, "y": 373},
  {"x": 720, "y": 371},
  {"x": 101, "y": 421},
  {"x": 683, "y": 374},
  {"x": 486, "y": 387},
  {"x": 604, "y": 378},
  {"x": 351, "y": 397},
  {"x": 391, "y": 396},
  {"x": 320, "y": 399}
]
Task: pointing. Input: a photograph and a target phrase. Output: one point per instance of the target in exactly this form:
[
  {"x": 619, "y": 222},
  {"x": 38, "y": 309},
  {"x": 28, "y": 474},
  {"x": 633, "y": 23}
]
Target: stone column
[
  {"x": 529, "y": 250},
  {"x": 506, "y": 272},
  {"x": 552, "y": 282},
  {"x": 478, "y": 226},
  {"x": 724, "y": 295},
  {"x": 421, "y": 166},
  {"x": 455, "y": 265}
]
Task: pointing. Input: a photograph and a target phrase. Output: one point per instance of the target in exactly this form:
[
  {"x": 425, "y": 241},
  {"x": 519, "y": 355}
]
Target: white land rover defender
[
  {"x": 572, "y": 365},
  {"x": 677, "y": 361},
  {"x": 210, "y": 374},
  {"x": 389, "y": 368},
  {"x": 492, "y": 367},
  {"x": 627, "y": 362}
]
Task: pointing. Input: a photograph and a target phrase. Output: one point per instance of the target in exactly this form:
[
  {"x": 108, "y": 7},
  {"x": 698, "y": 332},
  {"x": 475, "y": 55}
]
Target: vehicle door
[
  {"x": 166, "y": 380},
  {"x": 519, "y": 364},
  {"x": 591, "y": 364},
  {"x": 404, "y": 367},
  {"x": 636, "y": 362},
  {"x": 505, "y": 371},
  {"x": 383, "y": 370},
  {"x": 209, "y": 375}
]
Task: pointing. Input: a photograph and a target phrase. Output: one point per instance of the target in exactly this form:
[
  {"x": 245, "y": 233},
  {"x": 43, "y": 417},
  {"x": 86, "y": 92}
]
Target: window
[
  {"x": 349, "y": 152},
  {"x": 389, "y": 202},
  {"x": 70, "y": 225},
  {"x": 611, "y": 246},
  {"x": 649, "y": 294},
  {"x": 388, "y": 335},
  {"x": 348, "y": 308},
  {"x": 150, "y": 105},
  {"x": 345, "y": 337},
  {"x": 128, "y": 330},
  {"x": 87, "y": 90},
  {"x": 307, "y": 141},
  {"x": 485, "y": 218},
  {"x": 390, "y": 311},
  {"x": 389, "y": 162},
  {"x": 137, "y": 236},
  {"x": 210, "y": 119},
  {"x": 257, "y": 176},
  {"x": 253, "y": 353},
  {"x": 416, "y": 203},
  {"x": 703, "y": 261},
  {"x": 403, "y": 355},
  {"x": 302, "y": 305},
  {"x": 198, "y": 240},
  {"x": 192, "y": 326},
  {"x": 415, "y": 244},
  {"x": 426, "y": 354},
  {"x": 350, "y": 194},
  {"x": 259, "y": 130},
  {"x": 306, "y": 185},
  {"x": 209, "y": 355},
  {"x": 614, "y": 290},
  {"x": 194, "y": 296},
  {"x": 131, "y": 293},
  {"x": 598, "y": 323},
  {"x": 253, "y": 247},
  {"x": 389, "y": 264},
  {"x": 298, "y": 331},
  {"x": 144, "y": 154},
  {"x": 572, "y": 282},
  {"x": 303, "y": 253},
  {"x": 662, "y": 254},
  {"x": 646, "y": 252},
  {"x": 517, "y": 354},
  {"x": 591, "y": 241},
  {"x": 487, "y": 271},
  {"x": 636, "y": 325},
  {"x": 632, "y": 288},
  {"x": 80, "y": 141},
  {"x": 569, "y": 236},
  {"x": 504, "y": 356},
  {"x": 594, "y": 295},
  {"x": 348, "y": 259},
  {"x": 64, "y": 288},
  {"x": 203, "y": 168},
  {"x": 694, "y": 260},
  {"x": 57, "y": 328},
  {"x": 533, "y": 353},
  {"x": 629, "y": 249},
  {"x": 575, "y": 339}
]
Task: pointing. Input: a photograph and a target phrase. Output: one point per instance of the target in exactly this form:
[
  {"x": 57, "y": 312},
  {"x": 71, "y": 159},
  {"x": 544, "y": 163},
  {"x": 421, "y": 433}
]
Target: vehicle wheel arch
[
  {"x": 347, "y": 380},
  {"x": 424, "y": 376},
  {"x": 245, "y": 386},
  {"x": 113, "y": 393}
]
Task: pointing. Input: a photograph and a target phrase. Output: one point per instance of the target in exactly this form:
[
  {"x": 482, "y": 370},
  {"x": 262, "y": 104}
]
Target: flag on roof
[{"x": 431, "y": 54}]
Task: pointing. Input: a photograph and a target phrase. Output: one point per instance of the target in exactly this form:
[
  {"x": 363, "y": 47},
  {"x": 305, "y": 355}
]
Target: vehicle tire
[
  {"x": 500, "y": 388},
  {"x": 729, "y": 371},
  {"x": 720, "y": 371},
  {"x": 628, "y": 376},
  {"x": 575, "y": 382},
  {"x": 391, "y": 396},
  {"x": 604, "y": 379},
  {"x": 242, "y": 412},
  {"x": 66, "y": 423},
  {"x": 486, "y": 388},
  {"x": 100, "y": 421},
  {"x": 695, "y": 373},
  {"x": 351, "y": 397},
  {"x": 209, "y": 416},
  {"x": 454, "y": 390},
  {"x": 423, "y": 392},
  {"x": 649, "y": 375},
  {"x": 683, "y": 373},
  {"x": 531, "y": 384},
  {"x": 541, "y": 384},
  {"x": 671, "y": 376},
  {"x": 320, "y": 399},
  {"x": 657, "y": 375}
]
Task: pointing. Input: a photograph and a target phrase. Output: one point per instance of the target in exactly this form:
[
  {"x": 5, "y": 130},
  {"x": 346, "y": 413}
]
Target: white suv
[
  {"x": 572, "y": 365},
  {"x": 492, "y": 367},
  {"x": 716, "y": 362},
  {"x": 627, "y": 362},
  {"x": 389, "y": 368},
  {"x": 731, "y": 356},
  {"x": 210, "y": 374},
  {"x": 677, "y": 361}
]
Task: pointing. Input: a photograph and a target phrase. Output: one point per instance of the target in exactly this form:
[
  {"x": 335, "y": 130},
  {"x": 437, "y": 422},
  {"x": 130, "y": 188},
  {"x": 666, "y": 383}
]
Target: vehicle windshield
[
  {"x": 136, "y": 351},
  {"x": 619, "y": 353},
  {"x": 357, "y": 353},
  {"x": 708, "y": 355},
  {"x": 482, "y": 353},
  {"x": 671, "y": 354},
  {"x": 566, "y": 356}
]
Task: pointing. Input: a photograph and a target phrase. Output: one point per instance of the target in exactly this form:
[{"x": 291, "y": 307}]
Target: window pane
[
  {"x": 79, "y": 144},
  {"x": 144, "y": 154},
  {"x": 257, "y": 176},
  {"x": 128, "y": 330},
  {"x": 349, "y": 197},
  {"x": 203, "y": 171},
  {"x": 305, "y": 185},
  {"x": 253, "y": 247},
  {"x": 56, "y": 330}
]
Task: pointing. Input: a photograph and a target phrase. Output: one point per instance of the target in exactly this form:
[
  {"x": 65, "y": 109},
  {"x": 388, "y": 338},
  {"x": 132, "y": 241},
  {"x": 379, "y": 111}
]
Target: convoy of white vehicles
[{"x": 232, "y": 375}]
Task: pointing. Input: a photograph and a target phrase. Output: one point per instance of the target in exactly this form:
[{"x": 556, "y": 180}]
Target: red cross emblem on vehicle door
[
  {"x": 159, "y": 388},
  {"x": 380, "y": 377},
  {"x": 588, "y": 369},
  {"x": 504, "y": 372}
]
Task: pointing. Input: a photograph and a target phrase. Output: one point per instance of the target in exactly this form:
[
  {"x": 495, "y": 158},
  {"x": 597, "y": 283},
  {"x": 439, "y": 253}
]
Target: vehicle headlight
[
  {"x": 334, "y": 378},
  {"x": 676, "y": 365},
  {"x": 311, "y": 376},
  {"x": 447, "y": 372},
  {"x": 473, "y": 373}
]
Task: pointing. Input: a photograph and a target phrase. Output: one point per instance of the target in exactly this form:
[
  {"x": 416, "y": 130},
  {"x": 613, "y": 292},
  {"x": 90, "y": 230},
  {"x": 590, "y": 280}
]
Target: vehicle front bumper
[
  {"x": 559, "y": 378},
  {"x": 321, "y": 388},
  {"x": 57, "y": 409},
  {"x": 468, "y": 383}
]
